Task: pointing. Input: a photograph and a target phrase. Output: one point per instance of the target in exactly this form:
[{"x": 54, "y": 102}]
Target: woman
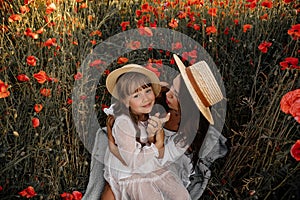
[{"x": 197, "y": 144}]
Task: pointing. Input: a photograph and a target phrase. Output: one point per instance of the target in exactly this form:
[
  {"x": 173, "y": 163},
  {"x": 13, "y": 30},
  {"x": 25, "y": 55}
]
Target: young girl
[{"x": 140, "y": 140}]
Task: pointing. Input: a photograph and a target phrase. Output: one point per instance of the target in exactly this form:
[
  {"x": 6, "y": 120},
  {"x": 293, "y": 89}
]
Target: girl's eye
[
  {"x": 149, "y": 90},
  {"x": 135, "y": 96}
]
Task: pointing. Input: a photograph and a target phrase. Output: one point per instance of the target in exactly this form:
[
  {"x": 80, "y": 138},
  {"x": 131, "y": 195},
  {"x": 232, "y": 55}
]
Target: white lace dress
[{"x": 144, "y": 177}]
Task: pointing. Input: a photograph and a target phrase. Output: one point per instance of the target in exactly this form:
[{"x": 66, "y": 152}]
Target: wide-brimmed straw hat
[
  {"x": 112, "y": 78},
  {"x": 202, "y": 86}
]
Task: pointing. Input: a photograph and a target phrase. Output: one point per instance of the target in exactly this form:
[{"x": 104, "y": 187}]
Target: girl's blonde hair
[{"x": 127, "y": 84}]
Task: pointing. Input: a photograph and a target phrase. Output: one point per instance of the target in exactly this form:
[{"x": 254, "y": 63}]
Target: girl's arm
[{"x": 130, "y": 149}]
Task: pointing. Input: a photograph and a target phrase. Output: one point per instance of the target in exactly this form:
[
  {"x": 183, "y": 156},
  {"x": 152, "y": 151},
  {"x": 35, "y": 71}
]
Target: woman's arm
[{"x": 111, "y": 141}]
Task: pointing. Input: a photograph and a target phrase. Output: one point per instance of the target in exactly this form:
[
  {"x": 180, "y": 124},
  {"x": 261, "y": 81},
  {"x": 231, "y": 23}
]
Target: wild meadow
[{"x": 254, "y": 44}]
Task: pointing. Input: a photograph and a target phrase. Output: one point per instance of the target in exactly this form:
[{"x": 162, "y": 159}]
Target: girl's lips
[{"x": 147, "y": 106}]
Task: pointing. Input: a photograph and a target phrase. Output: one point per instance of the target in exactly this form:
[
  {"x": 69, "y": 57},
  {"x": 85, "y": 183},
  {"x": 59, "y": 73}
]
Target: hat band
[{"x": 195, "y": 86}]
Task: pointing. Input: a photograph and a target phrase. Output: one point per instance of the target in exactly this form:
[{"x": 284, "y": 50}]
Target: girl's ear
[{"x": 126, "y": 102}]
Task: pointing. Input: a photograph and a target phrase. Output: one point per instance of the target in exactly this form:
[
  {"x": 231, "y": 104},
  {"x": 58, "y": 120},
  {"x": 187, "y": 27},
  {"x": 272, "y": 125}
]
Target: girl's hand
[{"x": 155, "y": 124}]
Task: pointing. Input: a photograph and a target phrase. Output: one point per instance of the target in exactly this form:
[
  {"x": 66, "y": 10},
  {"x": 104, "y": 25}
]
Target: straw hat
[
  {"x": 112, "y": 78},
  {"x": 202, "y": 86}
]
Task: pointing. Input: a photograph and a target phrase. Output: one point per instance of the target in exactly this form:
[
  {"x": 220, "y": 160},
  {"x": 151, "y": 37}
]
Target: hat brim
[
  {"x": 203, "y": 109},
  {"x": 113, "y": 76}
]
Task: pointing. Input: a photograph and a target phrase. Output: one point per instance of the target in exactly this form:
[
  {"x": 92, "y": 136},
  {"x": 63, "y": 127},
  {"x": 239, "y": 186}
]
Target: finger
[
  {"x": 157, "y": 114},
  {"x": 165, "y": 119}
]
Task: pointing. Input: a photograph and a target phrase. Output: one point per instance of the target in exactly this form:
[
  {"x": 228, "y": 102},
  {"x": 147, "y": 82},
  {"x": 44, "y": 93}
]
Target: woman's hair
[
  {"x": 127, "y": 84},
  {"x": 193, "y": 125}
]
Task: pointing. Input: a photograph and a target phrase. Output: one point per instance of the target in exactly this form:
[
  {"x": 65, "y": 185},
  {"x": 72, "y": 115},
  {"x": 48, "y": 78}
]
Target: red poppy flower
[
  {"x": 78, "y": 76},
  {"x": 264, "y": 17},
  {"x": 236, "y": 22},
  {"x": 66, "y": 196},
  {"x": 295, "y": 150},
  {"x": 77, "y": 195},
  {"x": 153, "y": 25},
  {"x": 23, "y": 78},
  {"x": 24, "y": 9},
  {"x": 14, "y": 17},
  {"x": 96, "y": 63},
  {"x": 69, "y": 101},
  {"x": 28, "y": 32},
  {"x": 267, "y": 4},
  {"x": 83, "y": 97},
  {"x": 294, "y": 31},
  {"x": 289, "y": 63},
  {"x": 288, "y": 101},
  {"x": 29, "y": 191},
  {"x": 106, "y": 72},
  {"x": 295, "y": 110},
  {"x": 38, "y": 107},
  {"x": 210, "y": 30},
  {"x": 133, "y": 45},
  {"x": 155, "y": 70},
  {"x": 45, "y": 92},
  {"x": 182, "y": 15},
  {"x": 40, "y": 31},
  {"x": 26, "y": 2},
  {"x": 83, "y": 5},
  {"x": 31, "y": 60},
  {"x": 41, "y": 77},
  {"x": 192, "y": 54},
  {"x": 212, "y": 12},
  {"x": 122, "y": 60},
  {"x": 263, "y": 47},
  {"x": 226, "y": 31},
  {"x": 173, "y": 23},
  {"x": 50, "y": 42},
  {"x": 4, "y": 90},
  {"x": 177, "y": 45},
  {"x": 96, "y": 32},
  {"x": 124, "y": 25},
  {"x": 93, "y": 42},
  {"x": 196, "y": 27},
  {"x": 251, "y": 5},
  {"x": 157, "y": 62},
  {"x": 145, "y": 31},
  {"x": 246, "y": 27},
  {"x": 50, "y": 8}
]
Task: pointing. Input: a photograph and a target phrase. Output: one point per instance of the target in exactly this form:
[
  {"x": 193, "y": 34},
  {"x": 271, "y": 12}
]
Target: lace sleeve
[{"x": 132, "y": 151}]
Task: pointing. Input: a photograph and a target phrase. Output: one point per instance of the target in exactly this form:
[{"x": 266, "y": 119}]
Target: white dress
[{"x": 145, "y": 176}]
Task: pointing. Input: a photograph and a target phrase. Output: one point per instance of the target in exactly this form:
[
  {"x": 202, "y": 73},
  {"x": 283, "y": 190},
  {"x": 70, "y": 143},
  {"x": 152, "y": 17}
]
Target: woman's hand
[
  {"x": 156, "y": 133},
  {"x": 155, "y": 124}
]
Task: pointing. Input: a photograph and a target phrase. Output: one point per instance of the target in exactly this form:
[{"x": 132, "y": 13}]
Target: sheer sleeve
[
  {"x": 172, "y": 151},
  {"x": 132, "y": 151}
]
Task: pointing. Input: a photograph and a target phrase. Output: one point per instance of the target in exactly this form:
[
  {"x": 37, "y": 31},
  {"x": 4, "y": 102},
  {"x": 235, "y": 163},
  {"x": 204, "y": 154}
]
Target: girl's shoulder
[
  {"x": 122, "y": 117},
  {"x": 123, "y": 120}
]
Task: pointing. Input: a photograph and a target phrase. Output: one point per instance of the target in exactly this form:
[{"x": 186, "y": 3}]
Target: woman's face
[
  {"x": 141, "y": 101},
  {"x": 172, "y": 94}
]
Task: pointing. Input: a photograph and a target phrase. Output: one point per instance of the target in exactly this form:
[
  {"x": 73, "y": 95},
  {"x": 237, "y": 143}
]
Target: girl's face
[
  {"x": 172, "y": 94},
  {"x": 141, "y": 101}
]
